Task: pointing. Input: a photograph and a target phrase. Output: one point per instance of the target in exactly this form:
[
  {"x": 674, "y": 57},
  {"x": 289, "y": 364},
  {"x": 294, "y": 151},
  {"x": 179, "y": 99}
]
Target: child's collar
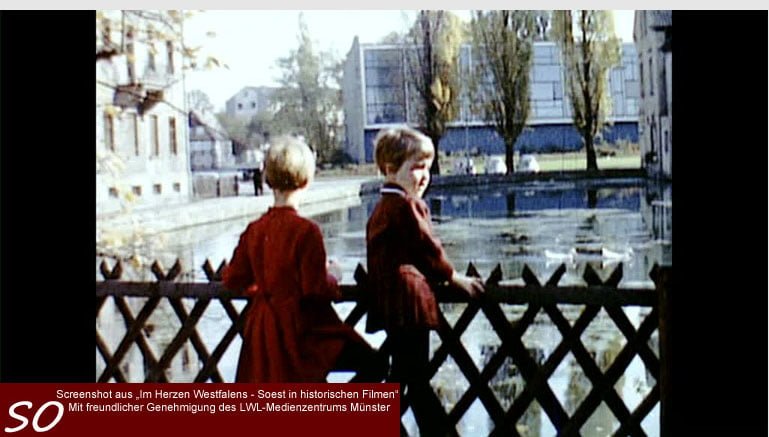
[{"x": 392, "y": 188}]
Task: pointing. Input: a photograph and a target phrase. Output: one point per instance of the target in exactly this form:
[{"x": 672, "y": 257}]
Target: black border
[
  {"x": 47, "y": 184},
  {"x": 720, "y": 218}
]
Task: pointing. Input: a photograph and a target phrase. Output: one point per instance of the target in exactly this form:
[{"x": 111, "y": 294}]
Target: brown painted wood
[
  {"x": 663, "y": 280},
  {"x": 197, "y": 342},
  {"x": 187, "y": 329},
  {"x": 535, "y": 295},
  {"x": 133, "y": 334}
]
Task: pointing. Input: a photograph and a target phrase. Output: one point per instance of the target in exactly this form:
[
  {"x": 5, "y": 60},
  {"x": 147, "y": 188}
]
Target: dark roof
[{"x": 211, "y": 133}]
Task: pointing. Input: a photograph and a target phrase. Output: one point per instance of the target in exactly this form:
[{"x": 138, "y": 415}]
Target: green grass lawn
[{"x": 578, "y": 161}]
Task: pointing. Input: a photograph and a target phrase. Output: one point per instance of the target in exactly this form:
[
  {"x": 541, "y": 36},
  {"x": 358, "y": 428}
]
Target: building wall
[
  {"x": 148, "y": 154},
  {"x": 543, "y": 138},
  {"x": 655, "y": 113},
  {"x": 353, "y": 104},
  {"x": 375, "y": 95},
  {"x": 210, "y": 149},
  {"x": 211, "y": 154},
  {"x": 249, "y": 101}
]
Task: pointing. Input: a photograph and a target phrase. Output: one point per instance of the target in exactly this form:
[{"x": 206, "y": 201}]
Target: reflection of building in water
[
  {"x": 158, "y": 332},
  {"x": 601, "y": 422},
  {"x": 508, "y": 383},
  {"x": 657, "y": 213}
]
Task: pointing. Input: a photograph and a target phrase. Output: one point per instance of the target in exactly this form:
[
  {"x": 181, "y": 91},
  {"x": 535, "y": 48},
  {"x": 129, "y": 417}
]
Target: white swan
[
  {"x": 557, "y": 257},
  {"x": 625, "y": 255}
]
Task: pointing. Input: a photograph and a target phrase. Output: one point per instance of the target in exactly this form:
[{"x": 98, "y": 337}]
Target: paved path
[{"x": 324, "y": 195}]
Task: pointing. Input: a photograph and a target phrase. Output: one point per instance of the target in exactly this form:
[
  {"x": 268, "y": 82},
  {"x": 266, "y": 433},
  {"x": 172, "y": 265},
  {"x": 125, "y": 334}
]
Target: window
[
  {"x": 109, "y": 132},
  {"x": 151, "y": 50},
  {"x": 253, "y": 105},
  {"x": 106, "y": 33},
  {"x": 157, "y": 189},
  {"x": 385, "y": 99},
  {"x": 651, "y": 78},
  {"x": 155, "y": 135},
  {"x": 632, "y": 106},
  {"x": 172, "y": 135},
  {"x": 641, "y": 67},
  {"x": 240, "y": 106},
  {"x": 129, "y": 130},
  {"x": 136, "y": 134},
  {"x": 151, "y": 57},
  {"x": 177, "y": 187},
  {"x": 131, "y": 55},
  {"x": 170, "y": 54},
  {"x": 113, "y": 192},
  {"x": 137, "y": 189}
]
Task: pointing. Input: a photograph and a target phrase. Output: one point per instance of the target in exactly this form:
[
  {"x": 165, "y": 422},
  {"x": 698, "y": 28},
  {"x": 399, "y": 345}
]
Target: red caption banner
[{"x": 198, "y": 409}]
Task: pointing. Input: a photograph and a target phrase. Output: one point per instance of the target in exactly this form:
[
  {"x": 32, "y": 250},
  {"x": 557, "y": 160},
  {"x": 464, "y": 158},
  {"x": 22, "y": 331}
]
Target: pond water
[{"x": 540, "y": 224}]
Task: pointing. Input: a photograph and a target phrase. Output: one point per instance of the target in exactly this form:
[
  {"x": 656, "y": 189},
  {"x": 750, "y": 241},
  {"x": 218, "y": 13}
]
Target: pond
[{"x": 539, "y": 224}]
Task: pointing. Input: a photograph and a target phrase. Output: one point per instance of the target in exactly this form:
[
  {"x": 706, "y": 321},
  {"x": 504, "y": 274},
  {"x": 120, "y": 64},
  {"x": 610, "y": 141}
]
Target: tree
[
  {"x": 309, "y": 97},
  {"x": 503, "y": 40},
  {"x": 589, "y": 49},
  {"x": 432, "y": 66},
  {"x": 236, "y": 127},
  {"x": 199, "y": 100}
]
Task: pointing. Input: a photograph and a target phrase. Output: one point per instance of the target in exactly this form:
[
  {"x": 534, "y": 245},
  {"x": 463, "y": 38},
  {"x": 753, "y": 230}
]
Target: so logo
[{"x": 36, "y": 425}]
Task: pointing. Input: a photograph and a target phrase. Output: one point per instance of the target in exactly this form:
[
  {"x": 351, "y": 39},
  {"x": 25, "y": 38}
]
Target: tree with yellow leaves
[
  {"x": 589, "y": 49},
  {"x": 503, "y": 41},
  {"x": 432, "y": 73}
]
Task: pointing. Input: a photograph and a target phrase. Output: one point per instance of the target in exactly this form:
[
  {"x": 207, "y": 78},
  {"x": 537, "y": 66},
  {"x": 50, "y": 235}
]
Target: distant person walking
[{"x": 258, "y": 188}]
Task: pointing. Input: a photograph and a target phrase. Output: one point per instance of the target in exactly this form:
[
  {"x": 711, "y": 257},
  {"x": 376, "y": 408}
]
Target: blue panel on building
[{"x": 534, "y": 139}]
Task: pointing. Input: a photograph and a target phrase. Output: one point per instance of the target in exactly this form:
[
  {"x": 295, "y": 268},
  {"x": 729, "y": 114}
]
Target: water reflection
[{"x": 538, "y": 224}]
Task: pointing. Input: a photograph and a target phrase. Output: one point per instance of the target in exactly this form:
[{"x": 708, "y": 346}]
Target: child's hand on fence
[
  {"x": 472, "y": 286},
  {"x": 334, "y": 269}
]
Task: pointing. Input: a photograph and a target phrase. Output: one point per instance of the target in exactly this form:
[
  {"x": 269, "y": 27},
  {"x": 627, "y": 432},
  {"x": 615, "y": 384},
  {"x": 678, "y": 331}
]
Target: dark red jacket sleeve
[
  {"x": 237, "y": 276},
  {"x": 433, "y": 262}
]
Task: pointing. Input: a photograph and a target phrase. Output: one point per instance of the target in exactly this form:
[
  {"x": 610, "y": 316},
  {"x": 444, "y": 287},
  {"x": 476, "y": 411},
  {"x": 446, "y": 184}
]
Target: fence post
[{"x": 663, "y": 280}]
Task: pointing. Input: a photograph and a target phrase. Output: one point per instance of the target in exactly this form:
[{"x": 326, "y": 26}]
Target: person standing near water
[
  {"x": 405, "y": 262},
  {"x": 291, "y": 332}
]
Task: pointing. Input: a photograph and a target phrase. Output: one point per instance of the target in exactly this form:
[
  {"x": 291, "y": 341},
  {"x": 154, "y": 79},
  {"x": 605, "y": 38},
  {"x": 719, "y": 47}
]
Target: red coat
[
  {"x": 291, "y": 332},
  {"x": 405, "y": 260}
]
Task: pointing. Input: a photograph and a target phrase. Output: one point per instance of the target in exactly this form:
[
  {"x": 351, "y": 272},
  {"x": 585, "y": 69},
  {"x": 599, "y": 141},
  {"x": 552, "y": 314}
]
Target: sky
[{"x": 251, "y": 41}]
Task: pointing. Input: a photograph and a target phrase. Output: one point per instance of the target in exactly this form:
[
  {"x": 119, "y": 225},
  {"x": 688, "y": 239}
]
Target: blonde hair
[
  {"x": 289, "y": 165},
  {"x": 395, "y": 145}
]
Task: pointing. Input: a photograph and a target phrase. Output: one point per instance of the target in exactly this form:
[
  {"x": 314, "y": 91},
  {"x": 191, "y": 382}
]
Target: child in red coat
[
  {"x": 405, "y": 262},
  {"x": 291, "y": 332}
]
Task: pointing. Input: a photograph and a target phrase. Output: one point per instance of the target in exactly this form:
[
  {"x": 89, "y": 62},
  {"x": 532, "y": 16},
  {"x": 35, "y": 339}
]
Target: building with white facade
[
  {"x": 210, "y": 146},
  {"x": 141, "y": 124},
  {"x": 653, "y": 35},
  {"x": 249, "y": 101},
  {"x": 374, "y": 92}
]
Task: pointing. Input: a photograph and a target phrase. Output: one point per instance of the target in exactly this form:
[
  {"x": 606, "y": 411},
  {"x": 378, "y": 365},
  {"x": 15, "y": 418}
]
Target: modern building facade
[
  {"x": 249, "y": 101},
  {"x": 653, "y": 34},
  {"x": 374, "y": 92},
  {"x": 141, "y": 125}
]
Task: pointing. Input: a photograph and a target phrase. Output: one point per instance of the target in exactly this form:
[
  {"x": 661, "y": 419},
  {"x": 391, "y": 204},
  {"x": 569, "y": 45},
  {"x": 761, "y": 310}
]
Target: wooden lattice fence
[{"x": 534, "y": 295}]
